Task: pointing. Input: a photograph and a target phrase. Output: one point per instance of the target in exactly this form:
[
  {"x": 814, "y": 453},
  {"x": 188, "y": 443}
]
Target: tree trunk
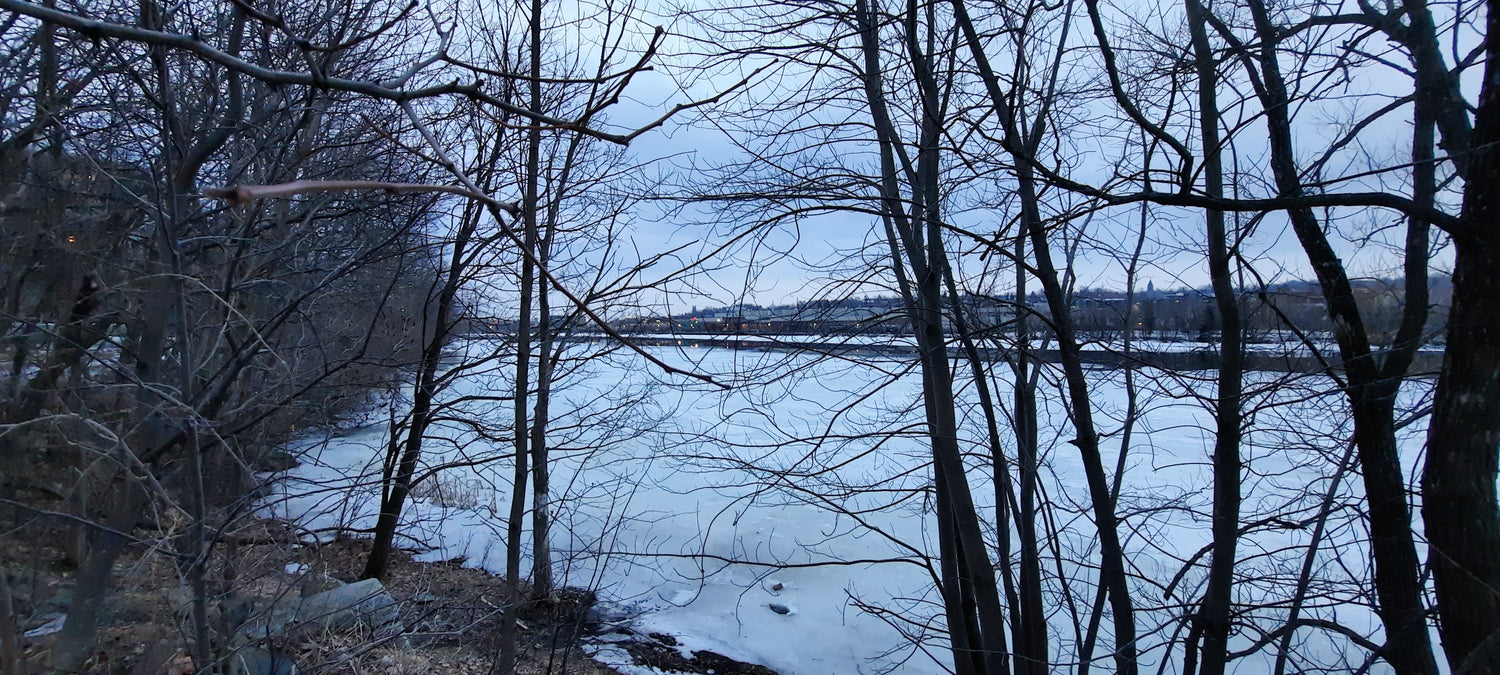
[
  {"x": 399, "y": 474},
  {"x": 1111, "y": 554},
  {"x": 75, "y": 642},
  {"x": 1397, "y": 582},
  {"x": 1031, "y": 644},
  {"x": 1112, "y": 558},
  {"x": 529, "y": 207},
  {"x": 400, "y": 488},
  {"x": 541, "y": 508},
  {"x": 1028, "y": 657},
  {"x": 1458, "y": 481},
  {"x": 971, "y": 597},
  {"x": 1213, "y": 619}
]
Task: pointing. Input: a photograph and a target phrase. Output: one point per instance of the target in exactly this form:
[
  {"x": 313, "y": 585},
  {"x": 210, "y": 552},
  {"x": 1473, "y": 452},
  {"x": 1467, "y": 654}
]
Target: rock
[
  {"x": 313, "y": 584},
  {"x": 257, "y": 661},
  {"x": 780, "y": 608},
  {"x": 54, "y": 624},
  {"x": 776, "y": 587},
  {"x": 653, "y": 654},
  {"x": 607, "y": 618},
  {"x": 364, "y": 603}
]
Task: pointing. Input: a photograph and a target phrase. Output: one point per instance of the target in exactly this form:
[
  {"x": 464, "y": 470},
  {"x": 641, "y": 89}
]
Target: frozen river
[{"x": 805, "y": 486}]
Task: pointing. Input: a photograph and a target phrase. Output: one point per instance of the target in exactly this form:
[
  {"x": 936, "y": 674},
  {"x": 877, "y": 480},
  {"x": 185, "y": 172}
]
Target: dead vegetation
[{"x": 451, "y": 613}]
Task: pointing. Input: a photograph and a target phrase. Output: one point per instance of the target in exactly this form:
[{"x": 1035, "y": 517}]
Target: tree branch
[{"x": 241, "y": 194}]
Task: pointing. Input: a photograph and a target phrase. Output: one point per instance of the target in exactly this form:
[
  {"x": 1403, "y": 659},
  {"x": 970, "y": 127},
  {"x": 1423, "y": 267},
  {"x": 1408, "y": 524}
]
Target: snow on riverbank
[{"x": 698, "y": 510}]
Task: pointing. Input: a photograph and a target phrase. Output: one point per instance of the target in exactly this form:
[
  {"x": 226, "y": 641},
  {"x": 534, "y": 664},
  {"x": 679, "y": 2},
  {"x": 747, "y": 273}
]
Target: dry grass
[{"x": 450, "y": 491}]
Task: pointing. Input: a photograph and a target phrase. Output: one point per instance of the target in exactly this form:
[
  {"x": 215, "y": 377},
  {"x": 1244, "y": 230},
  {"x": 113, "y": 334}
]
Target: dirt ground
[{"x": 451, "y": 613}]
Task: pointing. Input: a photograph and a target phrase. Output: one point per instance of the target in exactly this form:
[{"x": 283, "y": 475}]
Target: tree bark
[
  {"x": 1213, "y": 617},
  {"x": 1458, "y": 482},
  {"x": 541, "y": 507}
]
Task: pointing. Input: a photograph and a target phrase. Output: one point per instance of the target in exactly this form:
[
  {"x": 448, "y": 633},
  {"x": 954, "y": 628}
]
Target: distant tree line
[{"x": 1179, "y": 314}]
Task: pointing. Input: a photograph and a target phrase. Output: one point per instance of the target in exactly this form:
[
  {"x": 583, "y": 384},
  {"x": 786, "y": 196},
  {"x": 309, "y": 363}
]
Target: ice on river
[{"x": 805, "y": 486}]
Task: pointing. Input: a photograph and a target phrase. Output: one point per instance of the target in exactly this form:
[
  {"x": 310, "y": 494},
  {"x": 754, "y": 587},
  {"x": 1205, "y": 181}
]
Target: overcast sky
[{"x": 795, "y": 260}]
